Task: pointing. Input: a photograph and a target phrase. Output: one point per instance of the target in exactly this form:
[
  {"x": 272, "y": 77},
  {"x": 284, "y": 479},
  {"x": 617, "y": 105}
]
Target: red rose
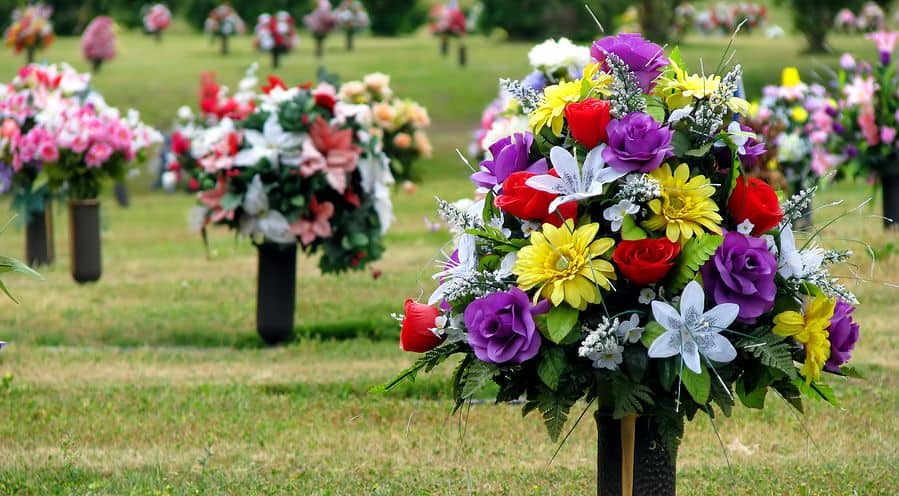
[
  {"x": 416, "y": 334},
  {"x": 587, "y": 121},
  {"x": 273, "y": 82},
  {"x": 325, "y": 101},
  {"x": 645, "y": 261},
  {"x": 180, "y": 143},
  {"x": 755, "y": 200},
  {"x": 527, "y": 203}
]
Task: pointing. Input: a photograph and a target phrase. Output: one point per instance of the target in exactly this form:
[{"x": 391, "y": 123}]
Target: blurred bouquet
[
  {"x": 684, "y": 18},
  {"x": 30, "y": 29},
  {"x": 796, "y": 121},
  {"x": 321, "y": 21},
  {"x": 448, "y": 20},
  {"x": 275, "y": 32},
  {"x": 223, "y": 21},
  {"x": 724, "y": 18},
  {"x": 622, "y": 257},
  {"x": 352, "y": 16},
  {"x": 98, "y": 41},
  {"x": 302, "y": 166},
  {"x": 157, "y": 18},
  {"x": 58, "y": 132},
  {"x": 551, "y": 62},
  {"x": 399, "y": 123}
]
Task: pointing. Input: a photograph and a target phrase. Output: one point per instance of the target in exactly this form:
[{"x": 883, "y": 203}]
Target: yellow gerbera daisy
[
  {"x": 809, "y": 330},
  {"x": 680, "y": 89},
  {"x": 562, "y": 262},
  {"x": 799, "y": 114},
  {"x": 685, "y": 208},
  {"x": 551, "y": 111}
]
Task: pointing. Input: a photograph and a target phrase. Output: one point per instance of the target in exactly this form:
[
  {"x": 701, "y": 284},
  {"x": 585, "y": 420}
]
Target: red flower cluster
[
  {"x": 587, "y": 121},
  {"x": 214, "y": 104}
]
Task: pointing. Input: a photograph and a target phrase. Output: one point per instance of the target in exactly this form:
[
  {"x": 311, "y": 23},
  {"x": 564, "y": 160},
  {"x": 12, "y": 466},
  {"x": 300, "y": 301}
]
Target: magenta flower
[
  {"x": 510, "y": 155},
  {"x": 501, "y": 327},
  {"x": 645, "y": 59}
]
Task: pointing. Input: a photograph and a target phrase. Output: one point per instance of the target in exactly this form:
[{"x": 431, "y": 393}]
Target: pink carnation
[{"x": 98, "y": 154}]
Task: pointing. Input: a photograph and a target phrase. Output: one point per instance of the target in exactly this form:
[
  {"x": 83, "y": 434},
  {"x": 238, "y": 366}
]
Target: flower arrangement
[
  {"x": 98, "y": 41},
  {"x": 622, "y": 256},
  {"x": 724, "y": 18},
  {"x": 224, "y": 22},
  {"x": 276, "y": 34},
  {"x": 30, "y": 30},
  {"x": 59, "y": 132},
  {"x": 796, "y": 120},
  {"x": 866, "y": 128},
  {"x": 352, "y": 16},
  {"x": 322, "y": 21},
  {"x": 399, "y": 123},
  {"x": 552, "y": 62},
  {"x": 301, "y": 167},
  {"x": 157, "y": 18},
  {"x": 448, "y": 20}
]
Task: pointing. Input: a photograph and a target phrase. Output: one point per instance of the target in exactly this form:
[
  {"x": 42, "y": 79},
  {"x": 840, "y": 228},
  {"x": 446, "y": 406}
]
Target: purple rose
[
  {"x": 645, "y": 59},
  {"x": 637, "y": 143},
  {"x": 843, "y": 334},
  {"x": 742, "y": 271},
  {"x": 752, "y": 150},
  {"x": 510, "y": 154},
  {"x": 501, "y": 327}
]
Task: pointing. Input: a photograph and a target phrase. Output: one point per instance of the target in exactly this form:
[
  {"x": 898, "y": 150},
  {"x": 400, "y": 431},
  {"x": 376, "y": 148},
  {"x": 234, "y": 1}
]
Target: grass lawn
[{"x": 152, "y": 381}]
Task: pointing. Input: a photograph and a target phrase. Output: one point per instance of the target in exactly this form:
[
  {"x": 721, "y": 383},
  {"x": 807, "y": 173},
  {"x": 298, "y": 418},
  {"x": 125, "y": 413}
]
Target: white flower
[
  {"x": 646, "y": 296},
  {"x": 196, "y": 218},
  {"x": 552, "y": 55},
  {"x": 376, "y": 182},
  {"x": 745, "y": 227},
  {"x": 601, "y": 346},
  {"x": 465, "y": 269},
  {"x": 272, "y": 226},
  {"x": 255, "y": 201},
  {"x": 690, "y": 332},
  {"x": 169, "y": 181},
  {"x": 738, "y": 136},
  {"x": 791, "y": 148},
  {"x": 630, "y": 331},
  {"x": 185, "y": 113},
  {"x": 793, "y": 263},
  {"x": 616, "y": 213},
  {"x": 273, "y": 144},
  {"x": 575, "y": 183},
  {"x": 680, "y": 114}
]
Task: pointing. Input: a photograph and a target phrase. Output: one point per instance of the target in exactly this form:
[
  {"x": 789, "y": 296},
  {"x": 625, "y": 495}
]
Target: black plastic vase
[
  {"x": 349, "y": 39},
  {"x": 84, "y": 240},
  {"x": 39, "y": 237},
  {"x": 319, "y": 46},
  {"x": 463, "y": 55},
  {"x": 890, "y": 185},
  {"x": 444, "y": 45},
  {"x": 276, "y": 291},
  {"x": 631, "y": 458}
]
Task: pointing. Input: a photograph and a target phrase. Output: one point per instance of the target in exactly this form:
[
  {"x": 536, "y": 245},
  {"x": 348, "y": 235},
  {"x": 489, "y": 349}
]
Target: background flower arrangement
[
  {"x": 223, "y": 22},
  {"x": 98, "y": 41},
  {"x": 399, "y": 123},
  {"x": 352, "y": 16},
  {"x": 30, "y": 30},
  {"x": 302, "y": 166},
  {"x": 622, "y": 256},
  {"x": 321, "y": 22},
  {"x": 276, "y": 34},
  {"x": 156, "y": 19}
]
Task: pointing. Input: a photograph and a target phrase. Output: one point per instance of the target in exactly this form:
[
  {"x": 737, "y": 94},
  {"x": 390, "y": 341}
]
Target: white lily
[
  {"x": 616, "y": 213},
  {"x": 693, "y": 332},
  {"x": 273, "y": 144},
  {"x": 575, "y": 183},
  {"x": 630, "y": 331},
  {"x": 464, "y": 270},
  {"x": 793, "y": 263}
]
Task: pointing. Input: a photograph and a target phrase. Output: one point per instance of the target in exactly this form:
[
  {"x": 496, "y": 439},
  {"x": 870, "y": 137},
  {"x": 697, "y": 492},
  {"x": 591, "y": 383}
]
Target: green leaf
[
  {"x": 478, "y": 375},
  {"x": 552, "y": 366},
  {"x": 655, "y": 108},
  {"x": 230, "y": 201},
  {"x": 629, "y": 397},
  {"x": 668, "y": 370},
  {"x": 772, "y": 350},
  {"x": 553, "y": 405},
  {"x": 698, "y": 385},
  {"x": 702, "y": 151},
  {"x": 652, "y": 331},
  {"x": 754, "y": 398},
  {"x": 39, "y": 181},
  {"x": 426, "y": 363},
  {"x": 693, "y": 255},
  {"x": 816, "y": 390},
  {"x": 298, "y": 201},
  {"x": 681, "y": 143},
  {"x": 677, "y": 58},
  {"x": 560, "y": 321},
  {"x": 850, "y": 371},
  {"x": 630, "y": 230},
  {"x": 490, "y": 211}
]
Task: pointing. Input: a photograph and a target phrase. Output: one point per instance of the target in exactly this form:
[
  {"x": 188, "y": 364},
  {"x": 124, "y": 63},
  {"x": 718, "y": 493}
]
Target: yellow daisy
[
  {"x": 809, "y": 330},
  {"x": 686, "y": 208},
  {"x": 551, "y": 111},
  {"x": 564, "y": 264}
]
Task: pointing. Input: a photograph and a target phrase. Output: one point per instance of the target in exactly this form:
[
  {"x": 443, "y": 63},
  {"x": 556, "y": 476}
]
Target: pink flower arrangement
[
  {"x": 157, "y": 18},
  {"x": 321, "y": 21},
  {"x": 448, "y": 20},
  {"x": 98, "y": 41}
]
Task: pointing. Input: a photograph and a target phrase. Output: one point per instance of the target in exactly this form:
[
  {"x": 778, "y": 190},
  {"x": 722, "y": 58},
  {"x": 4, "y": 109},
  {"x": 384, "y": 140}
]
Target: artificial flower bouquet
[
  {"x": 352, "y": 16},
  {"x": 98, "y": 41},
  {"x": 276, "y": 34},
  {"x": 302, "y": 166},
  {"x": 552, "y": 61},
  {"x": 322, "y": 21},
  {"x": 399, "y": 123},
  {"x": 156, "y": 18},
  {"x": 224, "y": 21},
  {"x": 622, "y": 257},
  {"x": 448, "y": 20},
  {"x": 31, "y": 29}
]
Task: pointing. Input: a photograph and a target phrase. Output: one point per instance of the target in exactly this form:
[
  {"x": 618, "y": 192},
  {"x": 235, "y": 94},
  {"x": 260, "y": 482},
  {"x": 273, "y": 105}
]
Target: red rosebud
[
  {"x": 527, "y": 203},
  {"x": 325, "y": 101},
  {"x": 273, "y": 82},
  {"x": 645, "y": 261},
  {"x": 193, "y": 184},
  {"x": 180, "y": 143},
  {"x": 416, "y": 334},
  {"x": 755, "y": 200},
  {"x": 587, "y": 121}
]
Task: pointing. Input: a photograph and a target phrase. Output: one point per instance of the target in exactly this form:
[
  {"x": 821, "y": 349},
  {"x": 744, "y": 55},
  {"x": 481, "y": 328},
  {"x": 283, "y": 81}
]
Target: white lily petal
[
  {"x": 666, "y": 345},
  {"x": 692, "y": 304},
  {"x": 254, "y": 138},
  {"x": 721, "y": 316},
  {"x": 667, "y": 316},
  {"x": 690, "y": 352},
  {"x": 567, "y": 168},
  {"x": 717, "y": 348},
  {"x": 593, "y": 164},
  {"x": 249, "y": 157},
  {"x": 547, "y": 183}
]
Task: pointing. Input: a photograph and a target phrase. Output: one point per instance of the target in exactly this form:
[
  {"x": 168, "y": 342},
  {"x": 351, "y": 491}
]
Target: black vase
[
  {"x": 84, "y": 240},
  {"x": 121, "y": 195},
  {"x": 444, "y": 45},
  {"x": 276, "y": 291},
  {"x": 654, "y": 469},
  {"x": 349, "y": 39},
  {"x": 39, "y": 237},
  {"x": 463, "y": 55},
  {"x": 224, "y": 44},
  {"x": 890, "y": 185}
]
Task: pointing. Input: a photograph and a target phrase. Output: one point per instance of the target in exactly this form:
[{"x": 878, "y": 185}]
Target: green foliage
[
  {"x": 395, "y": 17},
  {"x": 628, "y": 397},
  {"x": 554, "y": 405},
  {"x": 552, "y": 366},
  {"x": 698, "y": 385},
  {"x": 426, "y": 363},
  {"x": 538, "y": 19},
  {"x": 560, "y": 322},
  {"x": 693, "y": 255},
  {"x": 772, "y": 351}
]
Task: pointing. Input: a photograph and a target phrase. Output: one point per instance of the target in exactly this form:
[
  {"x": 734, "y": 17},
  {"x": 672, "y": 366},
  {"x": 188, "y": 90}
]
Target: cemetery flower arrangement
[
  {"x": 724, "y": 18},
  {"x": 399, "y": 123},
  {"x": 552, "y": 61},
  {"x": 865, "y": 130},
  {"x": 322, "y": 21},
  {"x": 30, "y": 29},
  {"x": 59, "y": 132},
  {"x": 796, "y": 120},
  {"x": 302, "y": 167},
  {"x": 157, "y": 18},
  {"x": 352, "y": 16},
  {"x": 275, "y": 32},
  {"x": 224, "y": 21},
  {"x": 98, "y": 41},
  {"x": 448, "y": 20},
  {"x": 621, "y": 256}
]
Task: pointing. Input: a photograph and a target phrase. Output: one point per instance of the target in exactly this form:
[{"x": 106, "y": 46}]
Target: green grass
[{"x": 152, "y": 381}]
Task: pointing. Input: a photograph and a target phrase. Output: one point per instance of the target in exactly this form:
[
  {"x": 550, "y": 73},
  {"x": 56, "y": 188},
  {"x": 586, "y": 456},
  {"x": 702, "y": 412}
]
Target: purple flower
[
  {"x": 742, "y": 271},
  {"x": 501, "y": 327},
  {"x": 535, "y": 80},
  {"x": 752, "y": 150},
  {"x": 843, "y": 334},
  {"x": 6, "y": 173},
  {"x": 851, "y": 151},
  {"x": 637, "y": 143},
  {"x": 510, "y": 155},
  {"x": 2, "y": 344},
  {"x": 645, "y": 59}
]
